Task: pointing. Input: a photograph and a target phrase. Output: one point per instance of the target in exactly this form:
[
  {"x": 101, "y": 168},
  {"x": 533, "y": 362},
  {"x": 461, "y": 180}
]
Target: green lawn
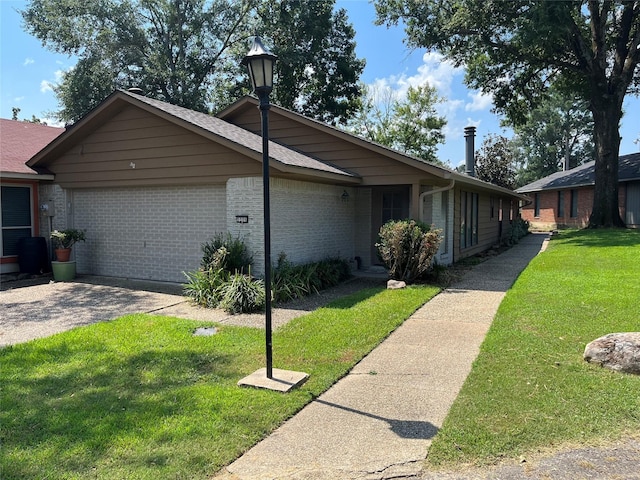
[
  {"x": 141, "y": 397},
  {"x": 530, "y": 388}
]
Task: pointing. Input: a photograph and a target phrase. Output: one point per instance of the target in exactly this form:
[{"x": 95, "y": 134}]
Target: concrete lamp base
[{"x": 282, "y": 381}]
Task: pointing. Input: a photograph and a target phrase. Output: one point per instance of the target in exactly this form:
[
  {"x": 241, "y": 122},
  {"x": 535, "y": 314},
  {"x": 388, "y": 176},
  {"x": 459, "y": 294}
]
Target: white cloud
[
  {"x": 435, "y": 71},
  {"x": 47, "y": 85},
  {"x": 28, "y": 61},
  {"x": 479, "y": 101},
  {"x": 18, "y": 99}
]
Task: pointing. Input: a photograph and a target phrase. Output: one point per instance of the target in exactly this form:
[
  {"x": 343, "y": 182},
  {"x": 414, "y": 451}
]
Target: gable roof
[
  {"x": 19, "y": 141},
  {"x": 584, "y": 175},
  {"x": 216, "y": 129},
  {"x": 421, "y": 164}
]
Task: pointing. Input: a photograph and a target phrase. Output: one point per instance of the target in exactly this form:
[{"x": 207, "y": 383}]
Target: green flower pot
[{"x": 63, "y": 271}]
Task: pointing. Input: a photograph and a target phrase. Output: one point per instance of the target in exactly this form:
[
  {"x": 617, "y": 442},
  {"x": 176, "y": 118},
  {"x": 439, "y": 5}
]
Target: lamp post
[{"x": 260, "y": 63}]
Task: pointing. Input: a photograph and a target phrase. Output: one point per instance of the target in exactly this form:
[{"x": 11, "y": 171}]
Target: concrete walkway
[{"x": 379, "y": 420}]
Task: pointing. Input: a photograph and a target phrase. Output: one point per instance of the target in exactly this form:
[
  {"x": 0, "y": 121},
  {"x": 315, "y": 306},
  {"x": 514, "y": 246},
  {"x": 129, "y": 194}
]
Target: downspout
[{"x": 431, "y": 192}]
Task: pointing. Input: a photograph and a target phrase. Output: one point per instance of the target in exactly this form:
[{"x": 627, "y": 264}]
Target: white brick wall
[
  {"x": 309, "y": 221},
  {"x": 146, "y": 233}
]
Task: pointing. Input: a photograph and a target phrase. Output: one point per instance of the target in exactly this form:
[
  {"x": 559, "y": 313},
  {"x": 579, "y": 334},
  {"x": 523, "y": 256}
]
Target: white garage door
[{"x": 150, "y": 233}]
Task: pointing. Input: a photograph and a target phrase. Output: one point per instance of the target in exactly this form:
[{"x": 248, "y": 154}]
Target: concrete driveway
[
  {"x": 38, "y": 308},
  {"x": 29, "y": 311}
]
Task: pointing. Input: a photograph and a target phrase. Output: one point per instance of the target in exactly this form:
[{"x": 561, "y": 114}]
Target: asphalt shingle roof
[
  {"x": 629, "y": 169},
  {"x": 19, "y": 141},
  {"x": 241, "y": 136}
]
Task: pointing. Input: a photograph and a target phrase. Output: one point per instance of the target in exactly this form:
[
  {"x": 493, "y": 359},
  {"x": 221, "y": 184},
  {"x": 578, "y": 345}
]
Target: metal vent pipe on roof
[{"x": 470, "y": 156}]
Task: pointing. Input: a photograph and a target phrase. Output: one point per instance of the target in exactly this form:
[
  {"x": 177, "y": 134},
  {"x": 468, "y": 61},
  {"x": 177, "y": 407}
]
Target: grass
[
  {"x": 530, "y": 388},
  {"x": 141, "y": 397}
]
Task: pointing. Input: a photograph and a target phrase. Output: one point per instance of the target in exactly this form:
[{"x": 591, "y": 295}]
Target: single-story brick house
[
  {"x": 565, "y": 199},
  {"x": 20, "y": 216},
  {"x": 150, "y": 182}
]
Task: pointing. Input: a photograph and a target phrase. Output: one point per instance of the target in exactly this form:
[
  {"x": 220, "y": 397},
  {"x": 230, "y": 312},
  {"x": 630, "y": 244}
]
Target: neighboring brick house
[
  {"x": 565, "y": 199},
  {"x": 20, "y": 216},
  {"x": 150, "y": 182}
]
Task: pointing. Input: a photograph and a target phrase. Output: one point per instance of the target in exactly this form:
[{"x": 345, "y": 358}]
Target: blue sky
[{"x": 27, "y": 71}]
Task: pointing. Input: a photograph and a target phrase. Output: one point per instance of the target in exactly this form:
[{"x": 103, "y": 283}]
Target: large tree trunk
[{"x": 606, "y": 117}]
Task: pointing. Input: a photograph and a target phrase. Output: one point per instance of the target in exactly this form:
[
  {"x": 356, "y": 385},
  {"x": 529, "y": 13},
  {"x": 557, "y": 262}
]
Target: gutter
[{"x": 28, "y": 176}]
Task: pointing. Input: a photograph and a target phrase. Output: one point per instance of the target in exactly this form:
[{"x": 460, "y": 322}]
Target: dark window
[
  {"x": 492, "y": 207},
  {"x": 536, "y": 205},
  {"x": 574, "y": 203},
  {"x": 561, "y": 203},
  {"x": 16, "y": 217},
  {"x": 469, "y": 219},
  {"x": 394, "y": 206}
]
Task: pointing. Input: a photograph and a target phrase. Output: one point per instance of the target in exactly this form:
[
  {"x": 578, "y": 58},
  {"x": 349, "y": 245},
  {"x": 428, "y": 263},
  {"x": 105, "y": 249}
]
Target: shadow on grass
[
  {"x": 91, "y": 405},
  {"x": 606, "y": 237}
]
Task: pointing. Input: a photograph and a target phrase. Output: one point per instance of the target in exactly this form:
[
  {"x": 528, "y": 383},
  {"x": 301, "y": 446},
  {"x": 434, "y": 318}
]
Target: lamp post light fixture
[{"x": 260, "y": 63}]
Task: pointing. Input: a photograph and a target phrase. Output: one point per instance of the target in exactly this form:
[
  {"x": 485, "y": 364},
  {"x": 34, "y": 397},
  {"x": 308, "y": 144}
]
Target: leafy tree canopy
[
  {"x": 495, "y": 162},
  {"x": 517, "y": 49},
  {"x": 317, "y": 68},
  {"x": 410, "y": 125},
  {"x": 556, "y": 135},
  {"x": 187, "y": 52}
]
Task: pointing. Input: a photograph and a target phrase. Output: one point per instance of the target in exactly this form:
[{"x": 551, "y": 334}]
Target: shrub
[
  {"x": 519, "y": 229},
  {"x": 242, "y": 294},
  {"x": 236, "y": 255},
  {"x": 204, "y": 286},
  {"x": 407, "y": 248},
  {"x": 291, "y": 281}
]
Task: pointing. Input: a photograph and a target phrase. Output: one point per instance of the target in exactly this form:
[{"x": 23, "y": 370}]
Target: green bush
[
  {"x": 407, "y": 248},
  {"x": 221, "y": 283},
  {"x": 291, "y": 281},
  {"x": 204, "y": 286},
  {"x": 519, "y": 229},
  {"x": 236, "y": 256},
  {"x": 242, "y": 294}
]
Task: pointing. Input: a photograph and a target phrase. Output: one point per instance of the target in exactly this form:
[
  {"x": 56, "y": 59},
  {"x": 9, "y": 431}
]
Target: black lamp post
[{"x": 260, "y": 63}]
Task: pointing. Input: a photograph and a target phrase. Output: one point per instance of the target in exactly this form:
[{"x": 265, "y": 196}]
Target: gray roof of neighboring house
[{"x": 584, "y": 175}]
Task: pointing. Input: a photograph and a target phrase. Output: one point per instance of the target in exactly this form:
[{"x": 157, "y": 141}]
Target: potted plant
[
  {"x": 63, "y": 269},
  {"x": 64, "y": 240}
]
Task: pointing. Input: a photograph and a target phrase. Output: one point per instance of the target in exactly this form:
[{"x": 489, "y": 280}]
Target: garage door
[{"x": 152, "y": 233}]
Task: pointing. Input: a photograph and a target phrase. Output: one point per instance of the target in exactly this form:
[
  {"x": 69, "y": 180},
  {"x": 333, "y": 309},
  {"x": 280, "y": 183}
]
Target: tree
[
  {"x": 516, "y": 50},
  {"x": 410, "y": 125},
  {"x": 14, "y": 116},
  {"x": 317, "y": 69},
  {"x": 557, "y": 135},
  {"x": 171, "y": 49},
  {"x": 495, "y": 162},
  {"x": 187, "y": 52}
]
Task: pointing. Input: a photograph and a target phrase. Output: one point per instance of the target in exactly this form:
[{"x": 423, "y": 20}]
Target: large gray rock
[
  {"x": 395, "y": 284},
  {"x": 617, "y": 351}
]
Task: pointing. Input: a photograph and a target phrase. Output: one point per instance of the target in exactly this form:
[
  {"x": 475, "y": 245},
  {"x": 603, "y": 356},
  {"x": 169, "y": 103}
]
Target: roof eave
[
  {"x": 336, "y": 132},
  {"x": 27, "y": 176}
]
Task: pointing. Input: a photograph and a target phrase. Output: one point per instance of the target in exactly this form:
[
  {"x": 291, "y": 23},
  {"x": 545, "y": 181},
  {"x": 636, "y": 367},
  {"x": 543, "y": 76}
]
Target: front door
[{"x": 387, "y": 203}]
